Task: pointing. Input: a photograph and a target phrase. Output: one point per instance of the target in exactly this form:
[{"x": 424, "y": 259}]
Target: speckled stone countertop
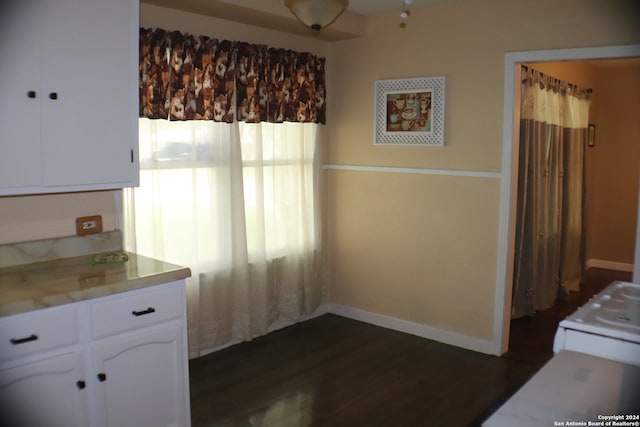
[{"x": 51, "y": 283}]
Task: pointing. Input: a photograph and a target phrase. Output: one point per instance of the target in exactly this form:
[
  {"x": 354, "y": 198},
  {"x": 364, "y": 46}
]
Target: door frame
[{"x": 509, "y": 184}]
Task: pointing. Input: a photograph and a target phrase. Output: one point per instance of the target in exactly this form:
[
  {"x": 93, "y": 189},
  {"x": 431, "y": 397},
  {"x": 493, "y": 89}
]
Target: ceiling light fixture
[
  {"x": 316, "y": 14},
  {"x": 404, "y": 15}
]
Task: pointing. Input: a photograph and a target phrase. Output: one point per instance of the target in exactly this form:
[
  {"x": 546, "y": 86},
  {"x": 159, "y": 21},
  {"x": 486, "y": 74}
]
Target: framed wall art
[{"x": 410, "y": 111}]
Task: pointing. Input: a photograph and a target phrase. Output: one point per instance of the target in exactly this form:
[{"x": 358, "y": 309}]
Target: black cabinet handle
[
  {"x": 143, "y": 312},
  {"x": 102, "y": 377},
  {"x": 53, "y": 95},
  {"x": 16, "y": 341},
  {"x": 80, "y": 384},
  {"x": 31, "y": 94}
]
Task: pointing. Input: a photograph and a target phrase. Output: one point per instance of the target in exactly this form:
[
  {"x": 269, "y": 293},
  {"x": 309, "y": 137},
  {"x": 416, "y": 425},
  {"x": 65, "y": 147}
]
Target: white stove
[
  {"x": 608, "y": 326},
  {"x": 594, "y": 377}
]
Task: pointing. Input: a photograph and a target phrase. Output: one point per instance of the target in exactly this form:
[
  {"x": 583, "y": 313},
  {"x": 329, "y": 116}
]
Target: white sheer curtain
[{"x": 238, "y": 204}]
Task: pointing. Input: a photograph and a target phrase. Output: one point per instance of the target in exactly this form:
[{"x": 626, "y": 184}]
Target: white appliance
[
  {"x": 608, "y": 326},
  {"x": 575, "y": 389},
  {"x": 594, "y": 377}
]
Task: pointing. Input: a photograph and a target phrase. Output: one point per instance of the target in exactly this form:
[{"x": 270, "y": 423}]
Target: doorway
[{"x": 509, "y": 167}]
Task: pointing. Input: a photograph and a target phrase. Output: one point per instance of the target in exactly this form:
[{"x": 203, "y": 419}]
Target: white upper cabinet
[{"x": 68, "y": 114}]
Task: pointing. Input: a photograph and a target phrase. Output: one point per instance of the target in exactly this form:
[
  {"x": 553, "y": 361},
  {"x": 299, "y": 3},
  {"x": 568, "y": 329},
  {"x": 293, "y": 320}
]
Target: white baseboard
[
  {"x": 423, "y": 331},
  {"x": 609, "y": 265},
  {"x": 404, "y": 326}
]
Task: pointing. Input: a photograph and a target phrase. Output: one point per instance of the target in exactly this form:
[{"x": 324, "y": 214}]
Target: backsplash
[{"x": 61, "y": 247}]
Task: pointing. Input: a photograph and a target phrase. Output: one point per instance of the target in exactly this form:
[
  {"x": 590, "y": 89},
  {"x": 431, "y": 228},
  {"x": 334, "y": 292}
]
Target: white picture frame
[{"x": 410, "y": 111}]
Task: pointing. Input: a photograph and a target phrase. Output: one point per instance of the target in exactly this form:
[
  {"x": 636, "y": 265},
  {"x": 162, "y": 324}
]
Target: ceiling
[
  {"x": 379, "y": 7},
  {"x": 273, "y": 14}
]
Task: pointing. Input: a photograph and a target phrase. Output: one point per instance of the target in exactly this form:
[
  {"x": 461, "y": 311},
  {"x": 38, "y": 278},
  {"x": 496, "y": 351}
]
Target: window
[
  {"x": 278, "y": 176},
  {"x": 206, "y": 186}
]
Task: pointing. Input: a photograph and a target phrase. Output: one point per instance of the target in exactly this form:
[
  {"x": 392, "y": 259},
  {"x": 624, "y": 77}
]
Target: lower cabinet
[
  {"x": 128, "y": 366},
  {"x": 47, "y": 392},
  {"x": 141, "y": 379}
]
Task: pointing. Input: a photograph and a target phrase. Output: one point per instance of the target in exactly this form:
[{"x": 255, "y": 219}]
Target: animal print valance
[{"x": 187, "y": 77}]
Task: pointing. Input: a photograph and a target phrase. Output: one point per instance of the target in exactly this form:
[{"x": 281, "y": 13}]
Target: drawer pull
[
  {"x": 143, "y": 312},
  {"x": 80, "y": 384},
  {"x": 102, "y": 377},
  {"x": 16, "y": 341}
]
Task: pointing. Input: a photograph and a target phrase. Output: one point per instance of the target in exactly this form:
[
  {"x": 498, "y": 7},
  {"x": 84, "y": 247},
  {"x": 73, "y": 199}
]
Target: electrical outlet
[{"x": 88, "y": 225}]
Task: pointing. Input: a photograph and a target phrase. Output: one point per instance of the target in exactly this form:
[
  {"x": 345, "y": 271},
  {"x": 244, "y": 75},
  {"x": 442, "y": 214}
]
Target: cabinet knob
[
  {"x": 31, "y": 94},
  {"x": 53, "y": 95},
  {"x": 102, "y": 377},
  {"x": 80, "y": 384}
]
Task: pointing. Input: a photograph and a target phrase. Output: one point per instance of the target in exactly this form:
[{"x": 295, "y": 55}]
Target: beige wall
[
  {"x": 582, "y": 73},
  {"x": 614, "y": 202},
  {"x": 423, "y": 248},
  {"x": 612, "y": 166},
  {"x": 28, "y": 218},
  {"x": 416, "y": 247}
]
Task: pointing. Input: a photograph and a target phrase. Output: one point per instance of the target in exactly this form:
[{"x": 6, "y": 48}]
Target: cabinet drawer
[
  {"x": 139, "y": 310},
  {"x": 38, "y": 331}
]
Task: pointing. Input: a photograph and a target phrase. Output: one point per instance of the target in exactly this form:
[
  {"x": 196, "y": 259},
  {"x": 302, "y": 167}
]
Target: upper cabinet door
[
  {"x": 89, "y": 63},
  {"x": 20, "y": 153},
  {"x": 84, "y": 136}
]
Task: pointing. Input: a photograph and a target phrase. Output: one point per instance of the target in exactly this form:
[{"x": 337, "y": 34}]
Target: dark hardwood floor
[{"x": 333, "y": 371}]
